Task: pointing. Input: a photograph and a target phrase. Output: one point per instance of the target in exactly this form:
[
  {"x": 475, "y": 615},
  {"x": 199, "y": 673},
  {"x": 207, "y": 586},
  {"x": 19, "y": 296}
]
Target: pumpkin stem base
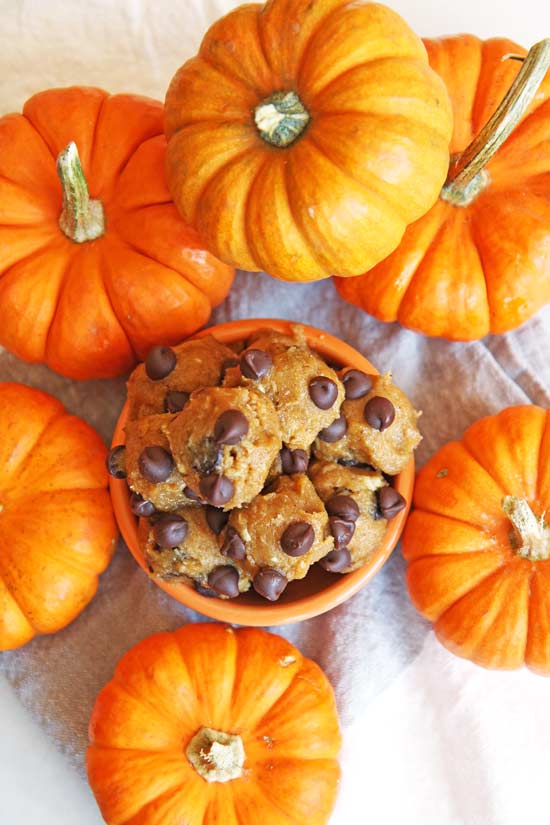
[
  {"x": 466, "y": 194},
  {"x": 281, "y": 118},
  {"x": 82, "y": 218},
  {"x": 215, "y": 755},
  {"x": 532, "y": 537}
]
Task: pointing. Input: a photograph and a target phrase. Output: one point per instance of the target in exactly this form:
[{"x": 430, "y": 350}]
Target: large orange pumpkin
[
  {"x": 57, "y": 530},
  {"x": 306, "y": 135},
  {"x": 90, "y": 280},
  {"x": 479, "y": 261},
  {"x": 211, "y": 725},
  {"x": 478, "y": 542}
]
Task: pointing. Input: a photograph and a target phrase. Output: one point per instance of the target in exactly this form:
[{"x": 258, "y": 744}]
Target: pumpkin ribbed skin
[
  {"x": 463, "y": 271},
  {"x": 90, "y": 309},
  {"x": 57, "y": 530},
  {"x": 488, "y": 604},
  {"x": 245, "y": 682},
  {"x": 369, "y": 162}
]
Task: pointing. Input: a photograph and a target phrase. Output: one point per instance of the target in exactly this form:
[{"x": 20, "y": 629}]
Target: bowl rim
[{"x": 272, "y": 613}]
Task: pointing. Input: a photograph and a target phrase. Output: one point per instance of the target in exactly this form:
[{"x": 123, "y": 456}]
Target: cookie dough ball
[
  {"x": 306, "y": 392},
  {"x": 224, "y": 443},
  {"x": 163, "y": 383},
  {"x": 151, "y": 470},
  {"x": 183, "y": 545},
  {"x": 378, "y": 425},
  {"x": 350, "y": 495},
  {"x": 280, "y": 534}
]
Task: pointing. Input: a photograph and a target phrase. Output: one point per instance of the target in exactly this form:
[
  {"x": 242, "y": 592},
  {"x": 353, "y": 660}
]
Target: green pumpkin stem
[
  {"x": 281, "y": 118},
  {"x": 467, "y": 176},
  {"x": 531, "y": 539},
  {"x": 82, "y": 219}
]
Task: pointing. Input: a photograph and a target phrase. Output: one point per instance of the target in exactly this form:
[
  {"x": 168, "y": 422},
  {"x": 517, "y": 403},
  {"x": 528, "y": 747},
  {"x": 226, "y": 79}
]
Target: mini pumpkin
[
  {"x": 92, "y": 278},
  {"x": 478, "y": 542},
  {"x": 215, "y": 725},
  {"x": 57, "y": 530},
  {"x": 305, "y": 136},
  {"x": 479, "y": 260}
]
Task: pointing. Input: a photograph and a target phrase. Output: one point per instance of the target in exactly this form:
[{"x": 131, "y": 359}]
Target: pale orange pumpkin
[
  {"x": 57, "y": 530},
  {"x": 91, "y": 279},
  {"x": 306, "y": 136},
  {"x": 212, "y": 725},
  {"x": 478, "y": 541}
]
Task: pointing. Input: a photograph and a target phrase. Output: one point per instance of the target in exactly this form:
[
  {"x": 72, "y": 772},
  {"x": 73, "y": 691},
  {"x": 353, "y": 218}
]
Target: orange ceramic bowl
[{"x": 319, "y": 591}]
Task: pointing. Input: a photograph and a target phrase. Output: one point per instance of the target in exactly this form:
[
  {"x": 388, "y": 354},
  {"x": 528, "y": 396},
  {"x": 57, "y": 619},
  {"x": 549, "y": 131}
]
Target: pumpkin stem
[
  {"x": 281, "y": 118},
  {"x": 82, "y": 219},
  {"x": 532, "y": 537},
  {"x": 215, "y": 755},
  {"x": 467, "y": 176}
]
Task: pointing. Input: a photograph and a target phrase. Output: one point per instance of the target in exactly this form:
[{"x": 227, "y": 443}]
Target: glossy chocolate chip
[
  {"x": 298, "y": 538},
  {"x": 140, "y": 506},
  {"x": 170, "y": 530},
  {"x": 336, "y": 560},
  {"x": 216, "y": 489},
  {"x": 342, "y": 531},
  {"x": 323, "y": 392},
  {"x": 233, "y": 546},
  {"x": 379, "y": 413},
  {"x": 224, "y": 580},
  {"x": 116, "y": 462},
  {"x": 335, "y": 431},
  {"x": 255, "y": 363},
  {"x": 230, "y": 428},
  {"x": 155, "y": 464},
  {"x": 216, "y": 519},
  {"x": 356, "y": 384},
  {"x": 343, "y": 507},
  {"x": 390, "y": 502},
  {"x": 191, "y": 494},
  {"x": 175, "y": 401},
  {"x": 294, "y": 461},
  {"x": 160, "y": 362},
  {"x": 269, "y": 583}
]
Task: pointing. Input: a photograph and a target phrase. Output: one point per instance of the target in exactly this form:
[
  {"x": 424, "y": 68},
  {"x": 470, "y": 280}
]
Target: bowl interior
[{"x": 319, "y": 591}]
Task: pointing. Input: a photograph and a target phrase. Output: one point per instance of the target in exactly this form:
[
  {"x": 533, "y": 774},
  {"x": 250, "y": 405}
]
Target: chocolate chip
[
  {"x": 191, "y": 494},
  {"x": 269, "y": 583},
  {"x": 379, "y": 412},
  {"x": 204, "y": 591},
  {"x": 294, "y": 461},
  {"x": 155, "y": 464},
  {"x": 335, "y": 431},
  {"x": 216, "y": 489},
  {"x": 140, "y": 506},
  {"x": 160, "y": 362},
  {"x": 207, "y": 457},
  {"x": 224, "y": 580},
  {"x": 342, "y": 531},
  {"x": 356, "y": 384},
  {"x": 170, "y": 530},
  {"x": 323, "y": 392},
  {"x": 298, "y": 538},
  {"x": 116, "y": 462},
  {"x": 233, "y": 546},
  {"x": 343, "y": 507},
  {"x": 216, "y": 519},
  {"x": 255, "y": 363},
  {"x": 390, "y": 502},
  {"x": 230, "y": 428},
  {"x": 175, "y": 401},
  {"x": 336, "y": 560}
]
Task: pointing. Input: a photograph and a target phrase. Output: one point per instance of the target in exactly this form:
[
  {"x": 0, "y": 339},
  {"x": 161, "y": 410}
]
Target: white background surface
[{"x": 441, "y": 742}]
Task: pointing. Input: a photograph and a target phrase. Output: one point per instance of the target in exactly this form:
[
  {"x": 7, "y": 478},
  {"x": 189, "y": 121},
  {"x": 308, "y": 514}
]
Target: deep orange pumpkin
[
  {"x": 137, "y": 275},
  {"x": 211, "y": 725},
  {"x": 478, "y": 542},
  {"x": 306, "y": 135},
  {"x": 483, "y": 265},
  {"x": 57, "y": 530}
]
